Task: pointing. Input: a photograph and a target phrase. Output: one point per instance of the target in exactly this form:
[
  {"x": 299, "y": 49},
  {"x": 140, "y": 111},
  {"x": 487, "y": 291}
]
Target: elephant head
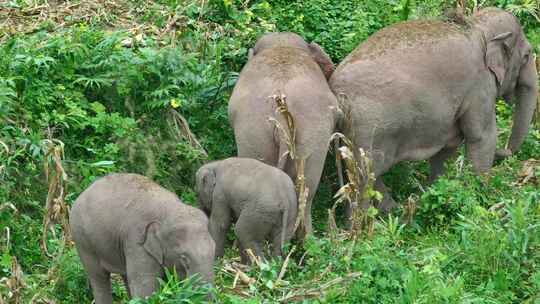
[
  {"x": 286, "y": 39},
  {"x": 188, "y": 247},
  {"x": 204, "y": 185},
  {"x": 510, "y": 59}
]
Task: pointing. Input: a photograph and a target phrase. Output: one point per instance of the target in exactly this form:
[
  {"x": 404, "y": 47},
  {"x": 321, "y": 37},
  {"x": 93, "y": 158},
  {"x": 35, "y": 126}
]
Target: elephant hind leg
[
  {"x": 126, "y": 284},
  {"x": 100, "y": 279},
  {"x": 251, "y": 232},
  {"x": 436, "y": 162},
  {"x": 387, "y": 203},
  {"x": 279, "y": 239}
]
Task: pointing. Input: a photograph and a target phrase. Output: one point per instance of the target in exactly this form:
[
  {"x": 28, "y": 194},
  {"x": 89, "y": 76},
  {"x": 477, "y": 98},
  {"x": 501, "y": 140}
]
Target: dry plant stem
[
  {"x": 288, "y": 136},
  {"x": 286, "y": 133},
  {"x": 114, "y": 14},
  {"x": 496, "y": 207},
  {"x": 55, "y": 207},
  {"x": 303, "y": 192},
  {"x": 332, "y": 227},
  {"x": 339, "y": 165},
  {"x": 236, "y": 277},
  {"x": 318, "y": 292},
  {"x": 253, "y": 258},
  {"x": 184, "y": 132},
  {"x": 358, "y": 192},
  {"x": 409, "y": 209},
  {"x": 527, "y": 174},
  {"x": 285, "y": 264},
  {"x": 242, "y": 276},
  {"x": 15, "y": 283}
]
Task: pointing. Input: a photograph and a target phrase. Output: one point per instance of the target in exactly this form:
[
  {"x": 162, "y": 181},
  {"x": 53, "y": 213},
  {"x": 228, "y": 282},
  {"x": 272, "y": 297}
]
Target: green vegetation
[{"x": 111, "y": 81}]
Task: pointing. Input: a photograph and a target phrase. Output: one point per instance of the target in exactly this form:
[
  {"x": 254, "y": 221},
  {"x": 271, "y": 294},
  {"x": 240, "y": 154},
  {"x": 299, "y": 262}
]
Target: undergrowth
[{"x": 112, "y": 80}]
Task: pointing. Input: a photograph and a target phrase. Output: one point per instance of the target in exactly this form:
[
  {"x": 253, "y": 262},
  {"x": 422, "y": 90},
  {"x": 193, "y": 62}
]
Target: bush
[{"x": 113, "y": 84}]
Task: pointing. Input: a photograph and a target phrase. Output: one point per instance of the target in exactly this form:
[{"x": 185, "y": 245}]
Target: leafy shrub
[
  {"x": 114, "y": 97},
  {"x": 173, "y": 290}
]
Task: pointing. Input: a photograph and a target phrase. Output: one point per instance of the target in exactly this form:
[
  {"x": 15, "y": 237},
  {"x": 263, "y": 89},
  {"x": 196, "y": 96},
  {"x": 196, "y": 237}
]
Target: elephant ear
[
  {"x": 152, "y": 242},
  {"x": 497, "y": 55},
  {"x": 324, "y": 61},
  {"x": 206, "y": 180},
  {"x": 251, "y": 53}
]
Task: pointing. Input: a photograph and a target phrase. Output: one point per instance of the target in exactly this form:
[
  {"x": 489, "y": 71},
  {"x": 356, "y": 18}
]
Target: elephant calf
[
  {"x": 127, "y": 224},
  {"x": 260, "y": 198}
]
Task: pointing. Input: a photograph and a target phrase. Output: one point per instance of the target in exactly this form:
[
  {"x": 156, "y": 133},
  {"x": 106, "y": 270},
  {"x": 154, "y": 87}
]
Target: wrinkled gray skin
[
  {"x": 259, "y": 198},
  {"x": 418, "y": 89},
  {"x": 127, "y": 224},
  {"x": 283, "y": 63}
]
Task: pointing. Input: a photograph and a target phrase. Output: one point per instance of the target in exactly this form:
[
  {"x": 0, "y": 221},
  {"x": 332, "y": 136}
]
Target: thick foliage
[{"x": 114, "y": 99}]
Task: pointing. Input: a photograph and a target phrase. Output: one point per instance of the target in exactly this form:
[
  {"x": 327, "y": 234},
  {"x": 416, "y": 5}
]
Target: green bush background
[{"x": 114, "y": 108}]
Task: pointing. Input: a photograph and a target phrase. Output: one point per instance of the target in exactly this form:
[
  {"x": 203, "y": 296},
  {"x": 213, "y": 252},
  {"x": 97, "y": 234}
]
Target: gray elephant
[
  {"x": 127, "y": 224},
  {"x": 417, "y": 89},
  {"x": 259, "y": 198},
  {"x": 283, "y": 63}
]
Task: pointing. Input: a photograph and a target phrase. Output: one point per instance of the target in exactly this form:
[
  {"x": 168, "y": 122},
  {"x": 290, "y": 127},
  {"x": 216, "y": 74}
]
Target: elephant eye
[
  {"x": 526, "y": 58},
  {"x": 185, "y": 261}
]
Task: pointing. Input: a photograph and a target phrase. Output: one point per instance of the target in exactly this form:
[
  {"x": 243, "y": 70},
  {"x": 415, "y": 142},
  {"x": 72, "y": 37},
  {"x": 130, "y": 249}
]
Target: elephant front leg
[
  {"x": 100, "y": 279},
  {"x": 142, "y": 275},
  {"x": 479, "y": 127},
  {"x": 387, "y": 203},
  {"x": 220, "y": 222}
]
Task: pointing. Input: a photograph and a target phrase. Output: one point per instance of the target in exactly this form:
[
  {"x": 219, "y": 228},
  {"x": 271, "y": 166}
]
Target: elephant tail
[{"x": 284, "y": 226}]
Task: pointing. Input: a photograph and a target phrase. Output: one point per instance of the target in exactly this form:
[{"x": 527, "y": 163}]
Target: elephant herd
[{"x": 415, "y": 90}]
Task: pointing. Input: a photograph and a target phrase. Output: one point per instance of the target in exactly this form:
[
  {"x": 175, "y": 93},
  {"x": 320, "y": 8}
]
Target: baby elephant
[
  {"x": 260, "y": 198},
  {"x": 127, "y": 224}
]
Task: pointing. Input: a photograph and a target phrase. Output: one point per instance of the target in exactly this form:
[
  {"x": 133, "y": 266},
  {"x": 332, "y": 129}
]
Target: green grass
[{"x": 113, "y": 108}]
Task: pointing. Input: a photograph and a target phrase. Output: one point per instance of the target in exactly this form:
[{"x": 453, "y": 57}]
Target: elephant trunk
[
  {"x": 205, "y": 273},
  {"x": 203, "y": 261},
  {"x": 527, "y": 95}
]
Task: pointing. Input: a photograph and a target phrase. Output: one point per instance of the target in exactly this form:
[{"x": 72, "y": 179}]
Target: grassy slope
[{"x": 113, "y": 107}]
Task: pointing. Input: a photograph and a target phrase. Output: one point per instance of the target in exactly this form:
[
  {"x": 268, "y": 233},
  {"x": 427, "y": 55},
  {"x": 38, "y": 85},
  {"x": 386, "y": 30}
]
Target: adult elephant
[
  {"x": 283, "y": 63},
  {"x": 417, "y": 89}
]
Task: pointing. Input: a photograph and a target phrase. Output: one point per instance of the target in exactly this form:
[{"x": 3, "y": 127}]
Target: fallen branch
[{"x": 239, "y": 274}]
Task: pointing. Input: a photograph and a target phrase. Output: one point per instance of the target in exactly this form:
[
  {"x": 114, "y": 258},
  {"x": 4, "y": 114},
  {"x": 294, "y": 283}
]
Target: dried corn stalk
[
  {"x": 55, "y": 207},
  {"x": 319, "y": 291},
  {"x": 358, "y": 192},
  {"x": 528, "y": 173},
  {"x": 288, "y": 136},
  {"x": 409, "y": 209},
  {"x": 303, "y": 192},
  {"x": 182, "y": 131},
  {"x": 287, "y": 133},
  {"x": 14, "y": 284}
]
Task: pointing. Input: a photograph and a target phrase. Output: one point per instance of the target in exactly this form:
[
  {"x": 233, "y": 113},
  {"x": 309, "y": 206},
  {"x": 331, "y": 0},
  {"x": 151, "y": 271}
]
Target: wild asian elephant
[
  {"x": 417, "y": 89},
  {"x": 283, "y": 63},
  {"x": 260, "y": 199},
  {"x": 127, "y": 224}
]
